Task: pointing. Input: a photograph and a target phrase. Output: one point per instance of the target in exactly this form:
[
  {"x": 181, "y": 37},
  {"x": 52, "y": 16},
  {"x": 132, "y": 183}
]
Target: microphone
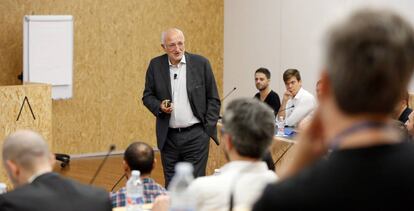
[
  {"x": 175, "y": 76},
  {"x": 229, "y": 93},
  {"x": 117, "y": 182},
  {"x": 290, "y": 107},
  {"x": 64, "y": 158},
  {"x": 111, "y": 148}
]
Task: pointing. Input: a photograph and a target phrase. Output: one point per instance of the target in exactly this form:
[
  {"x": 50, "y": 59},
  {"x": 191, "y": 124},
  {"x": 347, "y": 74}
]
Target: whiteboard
[{"x": 48, "y": 52}]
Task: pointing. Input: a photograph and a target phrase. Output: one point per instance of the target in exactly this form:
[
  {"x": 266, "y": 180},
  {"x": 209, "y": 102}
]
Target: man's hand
[
  {"x": 282, "y": 111},
  {"x": 166, "y": 106},
  {"x": 287, "y": 95},
  {"x": 161, "y": 203}
]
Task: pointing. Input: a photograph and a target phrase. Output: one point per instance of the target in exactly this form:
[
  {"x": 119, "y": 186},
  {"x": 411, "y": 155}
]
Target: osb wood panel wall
[
  {"x": 16, "y": 112},
  {"x": 113, "y": 43}
]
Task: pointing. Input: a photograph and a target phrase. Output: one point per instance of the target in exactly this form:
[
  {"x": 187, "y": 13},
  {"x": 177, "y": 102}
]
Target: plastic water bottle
[
  {"x": 280, "y": 122},
  {"x": 181, "y": 198},
  {"x": 3, "y": 188},
  {"x": 134, "y": 192}
]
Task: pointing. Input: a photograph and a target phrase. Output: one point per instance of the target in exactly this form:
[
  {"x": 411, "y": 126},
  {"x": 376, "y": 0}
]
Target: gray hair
[
  {"x": 25, "y": 148},
  {"x": 369, "y": 60},
  {"x": 164, "y": 34},
  {"x": 251, "y": 124}
]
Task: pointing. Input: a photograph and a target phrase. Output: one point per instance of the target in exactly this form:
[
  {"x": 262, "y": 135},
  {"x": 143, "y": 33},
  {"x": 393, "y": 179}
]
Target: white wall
[
  {"x": 251, "y": 40},
  {"x": 282, "y": 34}
]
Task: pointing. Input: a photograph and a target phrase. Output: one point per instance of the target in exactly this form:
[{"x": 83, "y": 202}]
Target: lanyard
[{"x": 338, "y": 139}]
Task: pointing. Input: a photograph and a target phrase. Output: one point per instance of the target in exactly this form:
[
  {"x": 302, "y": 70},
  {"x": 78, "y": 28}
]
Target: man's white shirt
[
  {"x": 182, "y": 114},
  {"x": 246, "y": 180},
  {"x": 299, "y": 107}
]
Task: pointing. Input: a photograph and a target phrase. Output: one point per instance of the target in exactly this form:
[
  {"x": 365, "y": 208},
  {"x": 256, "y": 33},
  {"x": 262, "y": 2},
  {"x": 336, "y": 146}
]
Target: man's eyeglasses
[{"x": 174, "y": 45}]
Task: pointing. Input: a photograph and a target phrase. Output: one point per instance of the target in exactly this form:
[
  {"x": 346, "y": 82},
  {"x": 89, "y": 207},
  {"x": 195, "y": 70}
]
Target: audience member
[
  {"x": 369, "y": 61},
  {"x": 28, "y": 164},
  {"x": 248, "y": 129},
  {"x": 271, "y": 98},
  {"x": 139, "y": 156},
  {"x": 305, "y": 121},
  {"x": 297, "y": 103},
  {"x": 266, "y": 94},
  {"x": 318, "y": 89}
]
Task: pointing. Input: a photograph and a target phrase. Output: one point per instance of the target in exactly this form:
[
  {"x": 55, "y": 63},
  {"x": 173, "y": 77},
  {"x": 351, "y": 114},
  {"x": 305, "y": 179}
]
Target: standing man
[
  {"x": 265, "y": 94},
  {"x": 180, "y": 90},
  {"x": 297, "y": 102}
]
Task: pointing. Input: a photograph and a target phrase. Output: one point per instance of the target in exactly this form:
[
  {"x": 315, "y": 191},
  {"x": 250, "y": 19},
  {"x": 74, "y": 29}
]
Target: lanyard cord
[{"x": 338, "y": 139}]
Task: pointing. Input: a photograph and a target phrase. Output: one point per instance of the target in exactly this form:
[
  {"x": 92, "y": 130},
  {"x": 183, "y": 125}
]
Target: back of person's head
[
  {"x": 265, "y": 71},
  {"x": 369, "y": 60},
  {"x": 289, "y": 73},
  {"x": 140, "y": 156},
  {"x": 251, "y": 124},
  {"x": 27, "y": 149}
]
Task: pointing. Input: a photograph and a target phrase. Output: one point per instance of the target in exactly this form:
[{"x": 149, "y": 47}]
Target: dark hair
[
  {"x": 289, "y": 73},
  {"x": 251, "y": 124},
  {"x": 139, "y": 156},
  {"x": 370, "y": 61},
  {"x": 264, "y": 71}
]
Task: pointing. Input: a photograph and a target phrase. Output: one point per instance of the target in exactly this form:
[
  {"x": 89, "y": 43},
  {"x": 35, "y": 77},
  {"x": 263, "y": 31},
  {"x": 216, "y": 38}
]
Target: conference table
[{"x": 281, "y": 149}]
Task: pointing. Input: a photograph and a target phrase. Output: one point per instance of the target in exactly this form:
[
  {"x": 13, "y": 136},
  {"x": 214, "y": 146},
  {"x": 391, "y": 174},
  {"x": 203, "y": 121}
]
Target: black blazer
[
  {"x": 201, "y": 90},
  {"x": 51, "y": 192}
]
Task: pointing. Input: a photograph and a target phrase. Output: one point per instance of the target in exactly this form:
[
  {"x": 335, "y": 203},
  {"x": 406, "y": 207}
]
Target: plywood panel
[
  {"x": 216, "y": 158},
  {"x": 113, "y": 43},
  {"x": 11, "y": 40},
  {"x": 12, "y": 99},
  {"x": 83, "y": 167},
  {"x": 282, "y": 153}
]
